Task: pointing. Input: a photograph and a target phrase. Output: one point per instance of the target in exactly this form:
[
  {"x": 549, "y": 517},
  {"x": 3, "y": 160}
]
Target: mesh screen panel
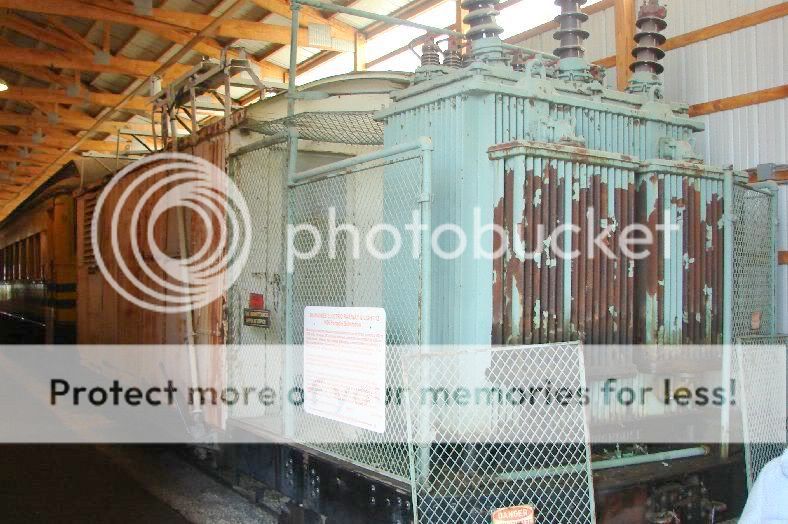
[
  {"x": 467, "y": 463},
  {"x": 753, "y": 262},
  {"x": 340, "y": 127}
]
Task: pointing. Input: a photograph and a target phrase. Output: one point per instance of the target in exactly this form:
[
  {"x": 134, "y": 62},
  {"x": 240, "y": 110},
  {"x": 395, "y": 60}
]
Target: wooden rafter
[
  {"x": 23, "y": 26},
  {"x": 307, "y": 15},
  {"x": 70, "y": 33},
  {"x": 163, "y": 21},
  {"x": 66, "y": 119},
  {"x": 41, "y": 74},
  {"x": 209, "y": 48},
  {"x": 57, "y": 143},
  {"x": 82, "y": 143},
  {"x": 84, "y": 62},
  {"x": 59, "y": 96}
]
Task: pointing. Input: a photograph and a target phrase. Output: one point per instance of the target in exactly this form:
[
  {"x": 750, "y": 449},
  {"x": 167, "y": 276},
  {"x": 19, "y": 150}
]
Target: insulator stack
[
  {"x": 647, "y": 53},
  {"x": 570, "y": 32},
  {"x": 430, "y": 53},
  {"x": 452, "y": 58},
  {"x": 481, "y": 19}
]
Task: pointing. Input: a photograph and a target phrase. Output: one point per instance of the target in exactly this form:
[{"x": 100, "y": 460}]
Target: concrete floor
[
  {"x": 107, "y": 484},
  {"x": 114, "y": 484},
  {"x": 43, "y": 483}
]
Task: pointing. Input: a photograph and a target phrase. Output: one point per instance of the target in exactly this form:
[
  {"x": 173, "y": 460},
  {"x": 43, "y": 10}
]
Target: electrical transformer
[
  {"x": 536, "y": 146},
  {"x": 530, "y": 139}
]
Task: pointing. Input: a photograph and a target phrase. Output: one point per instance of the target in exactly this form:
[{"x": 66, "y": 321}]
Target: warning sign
[
  {"x": 257, "y": 318},
  {"x": 345, "y": 365}
]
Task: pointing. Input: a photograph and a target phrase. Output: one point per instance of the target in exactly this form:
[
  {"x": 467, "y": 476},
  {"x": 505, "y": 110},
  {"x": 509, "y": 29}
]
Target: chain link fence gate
[
  {"x": 499, "y": 449},
  {"x": 260, "y": 172},
  {"x": 389, "y": 187}
]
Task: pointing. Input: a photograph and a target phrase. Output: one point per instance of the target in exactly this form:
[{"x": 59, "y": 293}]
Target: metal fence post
[
  {"x": 727, "y": 310},
  {"x": 426, "y": 233},
  {"x": 774, "y": 203}
]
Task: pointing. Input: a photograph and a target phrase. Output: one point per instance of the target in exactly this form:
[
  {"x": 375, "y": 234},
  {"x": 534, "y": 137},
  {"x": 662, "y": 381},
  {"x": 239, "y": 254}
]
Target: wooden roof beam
[
  {"x": 124, "y": 14},
  {"x": 73, "y": 35},
  {"x": 59, "y": 96},
  {"x": 307, "y": 15},
  {"x": 83, "y": 62},
  {"x": 42, "y": 74},
  {"x": 23, "y": 26},
  {"x": 60, "y": 143},
  {"x": 164, "y": 22},
  {"x": 67, "y": 121},
  {"x": 115, "y": 13},
  {"x": 35, "y": 158}
]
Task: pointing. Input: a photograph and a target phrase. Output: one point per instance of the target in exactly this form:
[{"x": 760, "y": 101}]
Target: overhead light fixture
[{"x": 3, "y": 85}]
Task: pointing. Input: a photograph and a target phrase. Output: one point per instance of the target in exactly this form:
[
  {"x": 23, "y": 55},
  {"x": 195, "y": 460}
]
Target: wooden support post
[
  {"x": 625, "y": 40},
  {"x": 459, "y": 25},
  {"x": 359, "y": 52}
]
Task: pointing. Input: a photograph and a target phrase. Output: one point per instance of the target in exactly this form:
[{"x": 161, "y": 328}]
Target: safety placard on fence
[{"x": 345, "y": 365}]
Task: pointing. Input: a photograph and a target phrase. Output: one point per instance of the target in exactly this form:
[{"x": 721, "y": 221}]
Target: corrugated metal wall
[{"x": 742, "y": 62}]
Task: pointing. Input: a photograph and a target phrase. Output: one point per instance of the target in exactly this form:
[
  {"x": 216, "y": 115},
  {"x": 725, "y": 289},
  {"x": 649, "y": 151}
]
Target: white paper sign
[{"x": 345, "y": 365}]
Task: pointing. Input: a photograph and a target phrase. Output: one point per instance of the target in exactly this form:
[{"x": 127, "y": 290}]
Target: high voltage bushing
[
  {"x": 570, "y": 32},
  {"x": 481, "y": 19},
  {"x": 430, "y": 53},
  {"x": 452, "y": 57},
  {"x": 646, "y": 67},
  {"x": 647, "y": 53}
]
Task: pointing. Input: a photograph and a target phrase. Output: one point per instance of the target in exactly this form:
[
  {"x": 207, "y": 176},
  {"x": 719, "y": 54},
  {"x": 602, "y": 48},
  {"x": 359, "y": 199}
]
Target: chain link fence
[
  {"x": 753, "y": 262},
  {"x": 496, "y": 448},
  {"x": 360, "y": 269},
  {"x": 759, "y": 366}
]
